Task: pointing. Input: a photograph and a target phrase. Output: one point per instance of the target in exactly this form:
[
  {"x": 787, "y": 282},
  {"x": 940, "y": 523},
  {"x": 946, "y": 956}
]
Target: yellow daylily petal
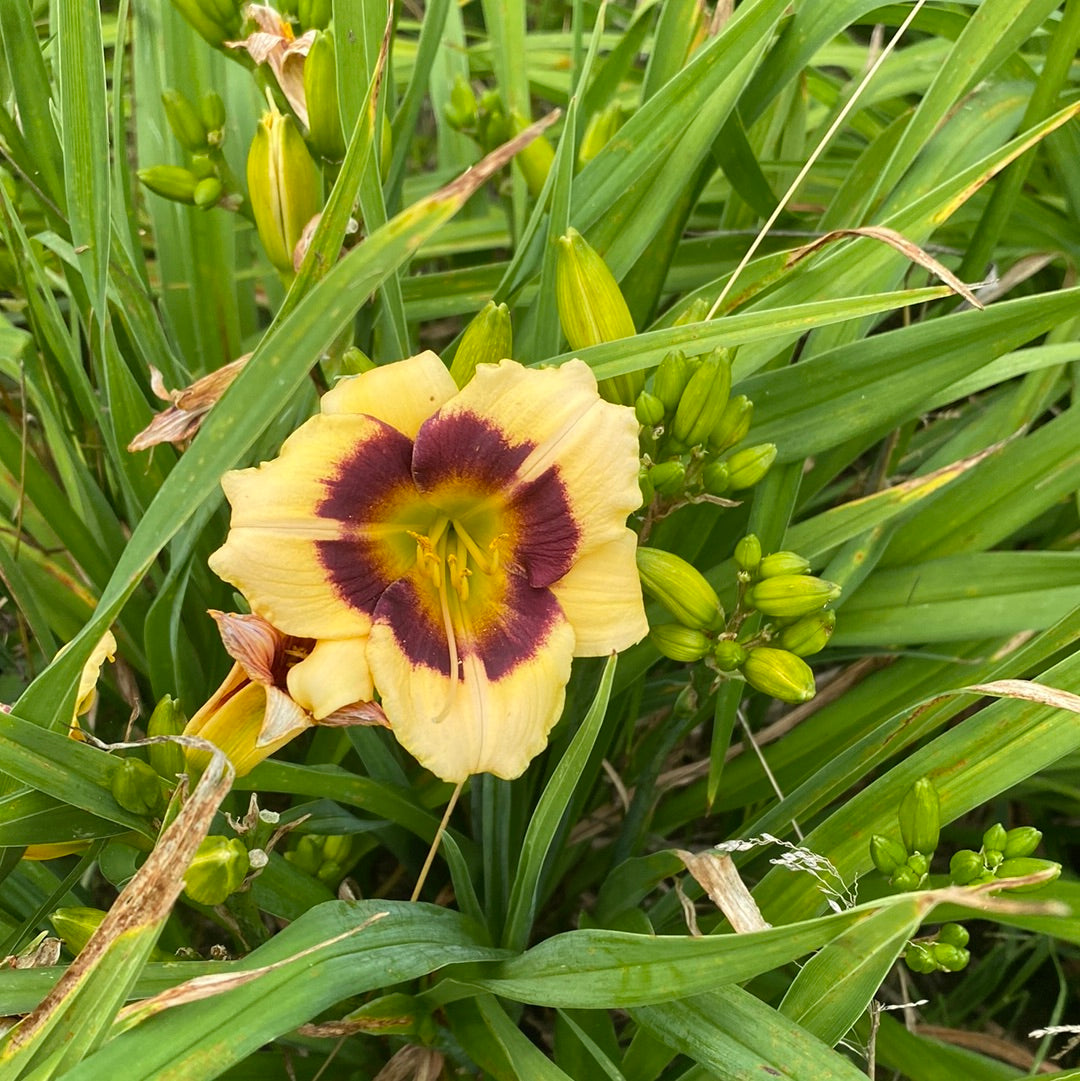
[
  {"x": 54, "y": 851},
  {"x": 296, "y": 548},
  {"x": 403, "y": 395},
  {"x": 476, "y": 724},
  {"x": 591, "y": 443},
  {"x": 105, "y": 650},
  {"x": 601, "y": 596},
  {"x": 333, "y": 675}
]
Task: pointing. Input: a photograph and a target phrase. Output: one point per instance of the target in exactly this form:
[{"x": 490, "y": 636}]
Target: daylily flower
[
  {"x": 459, "y": 546},
  {"x": 264, "y": 701}
]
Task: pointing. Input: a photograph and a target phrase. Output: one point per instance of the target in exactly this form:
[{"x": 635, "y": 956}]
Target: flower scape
[{"x": 452, "y": 550}]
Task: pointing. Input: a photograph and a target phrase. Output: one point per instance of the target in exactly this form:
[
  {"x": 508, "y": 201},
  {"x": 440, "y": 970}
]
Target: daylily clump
[{"x": 451, "y": 549}]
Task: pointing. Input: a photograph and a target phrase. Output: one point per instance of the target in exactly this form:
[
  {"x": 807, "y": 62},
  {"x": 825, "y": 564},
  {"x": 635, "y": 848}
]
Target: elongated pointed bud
[
  {"x": 791, "y": 596},
  {"x": 782, "y": 563},
  {"x": 747, "y": 467},
  {"x": 218, "y": 870},
  {"x": 669, "y": 382},
  {"x": 488, "y": 339},
  {"x": 601, "y": 127},
  {"x": 460, "y": 110},
  {"x": 283, "y": 185},
  {"x": 185, "y": 121},
  {"x": 170, "y": 182},
  {"x": 533, "y": 160},
  {"x": 748, "y": 553},
  {"x": 886, "y": 854},
  {"x": 780, "y": 674},
  {"x": 733, "y": 424},
  {"x": 592, "y": 309},
  {"x": 729, "y": 655},
  {"x": 1021, "y": 841},
  {"x": 325, "y": 134},
  {"x": 137, "y": 787},
  {"x": 920, "y": 817},
  {"x": 680, "y": 643},
  {"x": 1027, "y": 865},
  {"x": 703, "y": 402},
  {"x": 681, "y": 588},
  {"x": 810, "y": 634},
  {"x": 75, "y": 925},
  {"x": 166, "y": 720}
]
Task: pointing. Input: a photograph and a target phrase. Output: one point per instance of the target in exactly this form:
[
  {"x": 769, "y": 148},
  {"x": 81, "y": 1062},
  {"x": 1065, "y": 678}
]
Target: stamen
[{"x": 479, "y": 556}]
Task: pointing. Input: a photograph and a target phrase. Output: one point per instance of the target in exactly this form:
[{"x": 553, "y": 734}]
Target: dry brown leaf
[
  {"x": 412, "y": 1064},
  {"x": 719, "y": 878},
  {"x": 1029, "y": 691}
]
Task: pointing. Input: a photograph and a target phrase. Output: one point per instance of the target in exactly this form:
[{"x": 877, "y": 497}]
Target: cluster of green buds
[
  {"x": 907, "y": 862},
  {"x": 592, "y": 309},
  {"x": 486, "y": 120},
  {"x": 1004, "y": 854},
  {"x": 944, "y": 952},
  {"x": 199, "y": 128},
  {"x": 691, "y": 428},
  {"x": 327, "y": 858},
  {"x": 769, "y": 658}
]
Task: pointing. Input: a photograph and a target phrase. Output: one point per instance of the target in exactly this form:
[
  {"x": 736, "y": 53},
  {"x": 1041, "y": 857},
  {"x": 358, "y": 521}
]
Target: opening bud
[
  {"x": 681, "y": 588},
  {"x": 218, "y": 870},
  {"x": 488, "y": 338},
  {"x": 791, "y": 596},
  {"x": 780, "y": 674},
  {"x": 679, "y": 643},
  {"x": 747, "y": 467}
]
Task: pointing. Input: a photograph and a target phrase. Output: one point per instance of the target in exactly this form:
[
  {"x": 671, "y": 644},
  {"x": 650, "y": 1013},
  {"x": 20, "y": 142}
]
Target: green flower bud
[
  {"x": 733, "y": 424},
  {"x": 170, "y": 182},
  {"x": 325, "y": 134},
  {"x": 886, "y": 854},
  {"x": 355, "y": 362},
  {"x": 920, "y": 817},
  {"x": 226, "y": 12},
  {"x": 307, "y": 855},
  {"x": 714, "y": 478},
  {"x": 592, "y": 309},
  {"x": 669, "y": 382},
  {"x": 601, "y": 127},
  {"x": 780, "y": 674},
  {"x": 918, "y": 863},
  {"x": 314, "y": 14},
  {"x": 809, "y": 635},
  {"x": 203, "y": 166},
  {"x": 212, "y": 114},
  {"x": 648, "y": 409},
  {"x": 905, "y": 879},
  {"x": 136, "y": 787},
  {"x": 965, "y": 866},
  {"x": 1021, "y": 841},
  {"x": 1020, "y": 866},
  {"x": 460, "y": 110},
  {"x": 992, "y": 857},
  {"x": 920, "y": 959},
  {"x": 283, "y": 185},
  {"x": 205, "y": 17},
  {"x": 747, "y": 467},
  {"x": 668, "y": 478},
  {"x": 694, "y": 313},
  {"x": 681, "y": 588},
  {"x": 74, "y": 926},
  {"x": 729, "y": 655},
  {"x": 748, "y": 553},
  {"x": 680, "y": 643},
  {"x": 218, "y": 870},
  {"x": 166, "y": 720},
  {"x": 783, "y": 563},
  {"x": 791, "y": 596},
  {"x": 645, "y": 484},
  {"x": 954, "y": 934},
  {"x": 703, "y": 401},
  {"x": 533, "y": 160},
  {"x": 208, "y": 193},
  {"x": 995, "y": 838},
  {"x": 488, "y": 338},
  {"x": 950, "y": 958},
  {"x": 184, "y": 120}
]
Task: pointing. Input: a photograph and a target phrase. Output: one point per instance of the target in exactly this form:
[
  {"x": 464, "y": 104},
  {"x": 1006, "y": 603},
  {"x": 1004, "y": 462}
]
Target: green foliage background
[{"x": 558, "y": 947}]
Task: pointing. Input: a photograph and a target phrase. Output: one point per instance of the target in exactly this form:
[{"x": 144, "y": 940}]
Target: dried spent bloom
[
  {"x": 264, "y": 703},
  {"x": 274, "y": 44},
  {"x": 455, "y": 548}
]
